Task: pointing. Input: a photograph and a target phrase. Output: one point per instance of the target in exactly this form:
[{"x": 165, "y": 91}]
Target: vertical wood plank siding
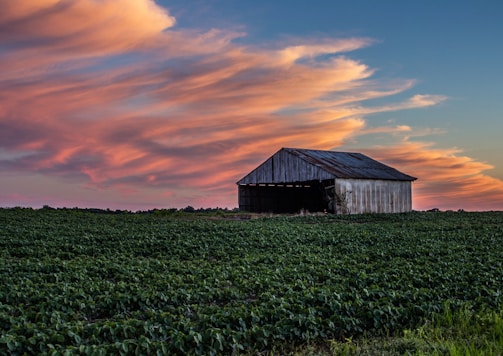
[
  {"x": 359, "y": 196},
  {"x": 285, "y": 168}
]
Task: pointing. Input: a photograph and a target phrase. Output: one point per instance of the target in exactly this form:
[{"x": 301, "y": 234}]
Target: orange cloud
[
  {"x": 113, "y": 97},
  {"x": 85, "y": 27},
  {"x": 291, "y": 54},
  {"x": 447, "y": 180}
]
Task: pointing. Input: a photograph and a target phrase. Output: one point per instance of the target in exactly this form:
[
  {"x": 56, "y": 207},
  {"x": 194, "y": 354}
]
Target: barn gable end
[
  {"x": 340, "y": 182},
  {"x": 283, "y": 167}
]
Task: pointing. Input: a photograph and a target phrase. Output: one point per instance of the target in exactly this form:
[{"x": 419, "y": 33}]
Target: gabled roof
[
  {"x": 349, "y": 164},
  {"x": 304, "y": 165}
]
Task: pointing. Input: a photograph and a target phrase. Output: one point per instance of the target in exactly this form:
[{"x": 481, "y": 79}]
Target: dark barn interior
[{"x": 284, "y": 198}]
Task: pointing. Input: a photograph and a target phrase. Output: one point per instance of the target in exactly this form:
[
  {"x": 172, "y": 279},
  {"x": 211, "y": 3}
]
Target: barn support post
[
  {"x": 330, "y": 196},
  {"x": 333, "y": 199}
]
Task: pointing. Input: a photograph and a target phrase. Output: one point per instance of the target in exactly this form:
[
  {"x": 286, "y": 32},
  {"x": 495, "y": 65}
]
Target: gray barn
[{"x": 339, "y": 182}]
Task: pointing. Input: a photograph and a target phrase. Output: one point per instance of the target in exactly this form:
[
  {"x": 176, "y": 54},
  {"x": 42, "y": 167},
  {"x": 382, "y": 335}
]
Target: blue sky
[
  {"x": 156, "y": 104},
  {"x": 448, "y": 47}
]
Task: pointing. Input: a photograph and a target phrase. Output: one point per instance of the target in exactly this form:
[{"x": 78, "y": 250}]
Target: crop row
[{"x": 78, "y": 282}]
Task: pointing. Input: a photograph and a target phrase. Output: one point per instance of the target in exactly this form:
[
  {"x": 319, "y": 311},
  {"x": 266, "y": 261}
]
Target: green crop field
[{"x": 83, "y": 282}]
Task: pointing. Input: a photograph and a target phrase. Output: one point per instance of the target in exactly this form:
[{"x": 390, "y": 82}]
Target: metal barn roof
[{"x": 316, "y": 164}]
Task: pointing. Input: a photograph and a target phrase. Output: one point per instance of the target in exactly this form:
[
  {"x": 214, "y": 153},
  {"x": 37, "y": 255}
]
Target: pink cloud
[
  {"x": 113, "y": 97},
  {"x": 83, "y": 26},
  {"x": 447, "y": 180}
]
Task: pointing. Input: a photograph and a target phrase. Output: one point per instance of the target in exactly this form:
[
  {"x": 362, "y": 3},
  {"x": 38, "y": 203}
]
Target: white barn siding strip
[{"x": 359, "y": 196}]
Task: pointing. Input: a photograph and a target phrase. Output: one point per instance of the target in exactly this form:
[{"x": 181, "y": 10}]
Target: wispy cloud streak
[
  {"x": 113, "y": 97},
  {"x": 447, "y": 180}
]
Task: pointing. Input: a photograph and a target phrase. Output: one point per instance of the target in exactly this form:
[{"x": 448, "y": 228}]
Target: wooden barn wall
[
  {"x": 284, "y": 167},
  {"x": 358, "y": 196}
]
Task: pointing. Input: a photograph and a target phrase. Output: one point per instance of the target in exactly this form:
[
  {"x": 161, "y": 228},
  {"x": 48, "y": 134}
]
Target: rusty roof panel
[
  {"x": 349, "y": 164},
  {"x": 297, "y": 165}
]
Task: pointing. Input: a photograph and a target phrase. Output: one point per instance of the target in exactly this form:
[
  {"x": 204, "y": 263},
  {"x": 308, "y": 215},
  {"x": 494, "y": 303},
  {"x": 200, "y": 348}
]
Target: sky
[{"x": 143, "y": 104}]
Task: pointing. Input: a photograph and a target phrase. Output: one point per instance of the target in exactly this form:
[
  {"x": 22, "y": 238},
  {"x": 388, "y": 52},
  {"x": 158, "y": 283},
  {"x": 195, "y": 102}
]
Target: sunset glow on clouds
[{"x": 106, "y": 103}]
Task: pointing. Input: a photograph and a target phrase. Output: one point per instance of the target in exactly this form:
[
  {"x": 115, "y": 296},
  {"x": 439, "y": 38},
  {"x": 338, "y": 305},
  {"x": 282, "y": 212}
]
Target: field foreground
[{"x": 80, "y": 282}]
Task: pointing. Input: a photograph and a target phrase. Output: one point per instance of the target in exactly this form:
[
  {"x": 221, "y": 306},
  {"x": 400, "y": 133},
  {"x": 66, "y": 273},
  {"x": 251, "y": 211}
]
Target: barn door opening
[{"x": 283, "y": 198}]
